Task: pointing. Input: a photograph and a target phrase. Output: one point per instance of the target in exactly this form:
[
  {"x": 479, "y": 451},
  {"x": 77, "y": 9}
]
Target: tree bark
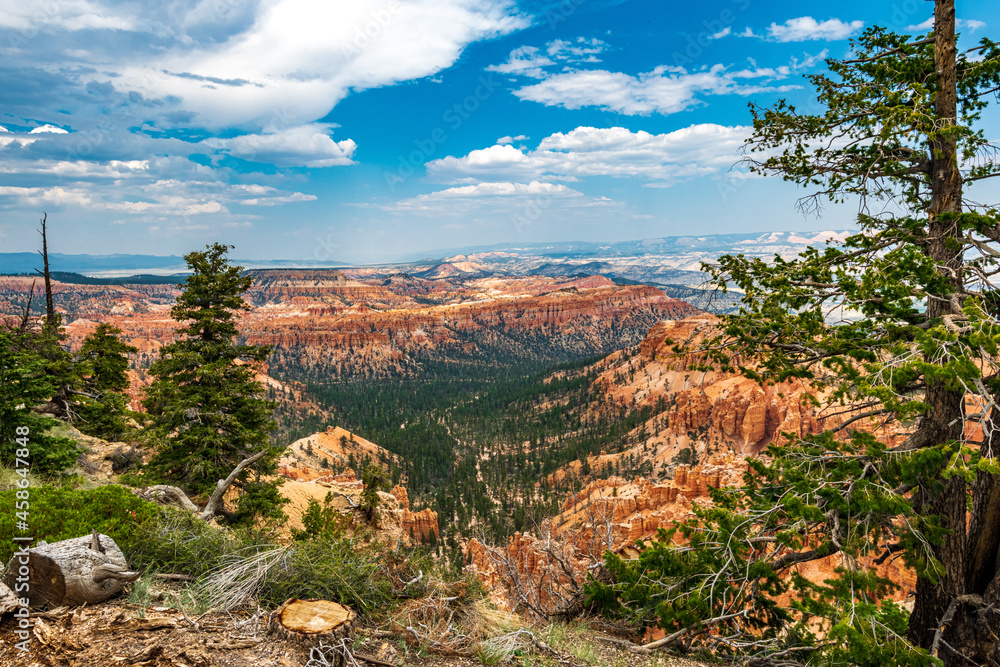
[
  {"x": 8, "y": 600},
  {"x": 943, "y": 420},
  {"x": 82, "y": 570},
  {"x": 984, "y": 533}
]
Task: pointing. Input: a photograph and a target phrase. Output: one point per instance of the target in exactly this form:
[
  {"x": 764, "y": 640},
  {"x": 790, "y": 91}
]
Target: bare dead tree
[
  {"x": 600, "y": 526},
  {"x": 50, "y": 311}
]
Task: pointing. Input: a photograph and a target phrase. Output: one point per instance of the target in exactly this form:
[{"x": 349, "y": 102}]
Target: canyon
[
  {"x": 696, "y": 431},
  {"x": 702, "y": 429},
  {"x": 329, "y": 323}
]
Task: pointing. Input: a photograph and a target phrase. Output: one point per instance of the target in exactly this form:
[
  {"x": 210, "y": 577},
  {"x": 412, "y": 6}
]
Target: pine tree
[
  {"x": 207, "y": 407},
  {"x": 373, "y": 480},
  {"x": 104, "y": 360},
  {"x": 920, "y": 330},
  {"x": 23, "y": 432}
]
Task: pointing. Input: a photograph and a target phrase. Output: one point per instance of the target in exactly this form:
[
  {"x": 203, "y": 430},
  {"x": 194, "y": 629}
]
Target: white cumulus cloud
[
  {"x": 496, "y": 198},
  {"x": 806, "y": 28},
  {"x": 664, "y": 90},
  {"x": 48, "y": 129},
  {"x": 304, "y": 146},
  {"x": 530, "y": 61},
  {"x": 658, "y": 159},
  {"x": 972, "y": 25},
  {"x": 300, "y": 58},
  {"x": 524, "y": 61},
  {"x": 509, "y": 139},
  {"x": 68, "y": 15}
]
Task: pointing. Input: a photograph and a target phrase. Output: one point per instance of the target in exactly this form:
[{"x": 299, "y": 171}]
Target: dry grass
[{"x": 240, "y": 582}]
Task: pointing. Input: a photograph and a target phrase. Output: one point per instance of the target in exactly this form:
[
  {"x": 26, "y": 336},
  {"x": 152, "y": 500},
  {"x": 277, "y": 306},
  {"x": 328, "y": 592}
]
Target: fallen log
[
  {"x": 82, "y": 570},
  {"x": 167, "y": 496},
  {"x": 8, "y": 601},
  {"x": 313, "y": 622}
]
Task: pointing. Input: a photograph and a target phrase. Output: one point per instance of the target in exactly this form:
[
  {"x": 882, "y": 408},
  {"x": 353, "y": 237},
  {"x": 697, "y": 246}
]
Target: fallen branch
[
  {"x": 223, "y": 485},
  {"x": 174, "y": 577},
  {"x": 671, "y": 638},
  {"x": 375, "y": 661}
]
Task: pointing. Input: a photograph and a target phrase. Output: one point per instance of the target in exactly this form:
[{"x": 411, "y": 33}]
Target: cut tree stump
[
  {"x": 82, "y": 570},
  {"x": 314, "y": 622}
]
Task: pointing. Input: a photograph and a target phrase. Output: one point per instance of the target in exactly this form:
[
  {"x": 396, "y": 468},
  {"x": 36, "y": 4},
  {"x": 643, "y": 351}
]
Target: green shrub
[
  {"x": 321, "y": 521},
  {"x": 179, "y": 542},
  {"x": 332, "y": 569},
  {"x": 58, "y": 513}
]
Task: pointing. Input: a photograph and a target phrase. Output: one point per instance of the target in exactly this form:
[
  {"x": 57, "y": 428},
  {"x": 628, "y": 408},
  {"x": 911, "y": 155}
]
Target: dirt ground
[{"x": 124, "y": 634}]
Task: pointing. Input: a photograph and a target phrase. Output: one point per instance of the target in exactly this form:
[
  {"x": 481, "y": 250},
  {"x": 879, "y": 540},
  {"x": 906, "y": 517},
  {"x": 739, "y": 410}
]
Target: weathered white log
[
  {"x": 8, "y": 601},
  {"x": 88, "y": 569},
  {"x": 170, "y": 496},
  {"x": 314, "y": 622}
]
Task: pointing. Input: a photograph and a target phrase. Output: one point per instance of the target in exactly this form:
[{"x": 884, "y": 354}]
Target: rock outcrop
[
  {"x": 318, "y": 465},
  {"x": 702, "y": 428},
  {"x": 697, "y": 415},
  {"x": 614, "y": 514},
  {"x": 417, "y": 526},
  {"x": 364, "y": 323}
]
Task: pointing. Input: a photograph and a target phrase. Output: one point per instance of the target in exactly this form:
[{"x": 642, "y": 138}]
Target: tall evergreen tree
[
  {"x": 103, "y": 358},
  {"x": 918, "y": 330},
  {"x": 207, "y": 406}
]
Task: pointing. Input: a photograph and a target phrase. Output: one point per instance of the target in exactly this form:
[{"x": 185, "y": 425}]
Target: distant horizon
[{"x": 432, "y": 255}]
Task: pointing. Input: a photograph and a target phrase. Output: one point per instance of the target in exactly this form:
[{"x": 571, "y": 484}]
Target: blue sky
[{"x": 362, "y": 129}]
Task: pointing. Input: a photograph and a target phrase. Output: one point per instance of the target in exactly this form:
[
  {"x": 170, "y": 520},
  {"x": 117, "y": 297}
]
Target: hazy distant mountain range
[
  {"x": 673, "y": 263},
  {"x": 751, "y": 243}
]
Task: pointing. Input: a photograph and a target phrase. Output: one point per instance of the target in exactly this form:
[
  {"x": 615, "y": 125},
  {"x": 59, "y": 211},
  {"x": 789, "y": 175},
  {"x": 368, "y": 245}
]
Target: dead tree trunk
[
  {"x": 72, "y": 572},
  {"x": 315, "y": 622},
  {"x": 165, "y": 495},
  {"x": 216, "y": 501},
  {"x": 50, "y": 310}
]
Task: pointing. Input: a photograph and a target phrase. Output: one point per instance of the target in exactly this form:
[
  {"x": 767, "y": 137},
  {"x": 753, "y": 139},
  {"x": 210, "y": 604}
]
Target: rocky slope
[
  {"x": 328, "y": 463},
  {"x": 613, "y": 514},
  {"x": 519, "y": 319},
  {"x": 702, "y": 428}
]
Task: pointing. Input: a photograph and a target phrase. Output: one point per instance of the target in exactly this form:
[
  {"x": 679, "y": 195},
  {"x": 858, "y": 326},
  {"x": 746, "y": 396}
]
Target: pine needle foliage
[
  {"x": 25, "y": 441},
  {"x": 103, "y": 358},
  {"x": 897, "y": 325},
  {"x": 207, "y": 407}
]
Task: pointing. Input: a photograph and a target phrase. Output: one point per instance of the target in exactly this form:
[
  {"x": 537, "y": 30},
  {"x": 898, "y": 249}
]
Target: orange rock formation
[{"x": 713, "y": 418}]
